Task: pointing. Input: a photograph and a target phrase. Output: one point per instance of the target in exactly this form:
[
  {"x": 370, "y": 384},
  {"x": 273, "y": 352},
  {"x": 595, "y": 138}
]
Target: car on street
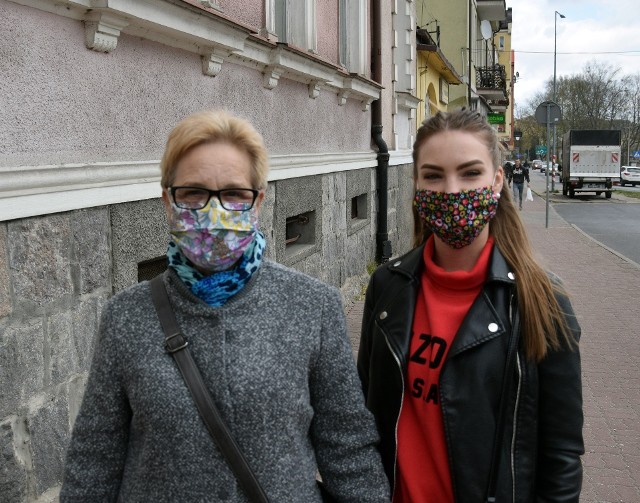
[
  {"x": 536, "y": 164},
  {"x": 554, "y": 170},
  {"x": 629, "y": 175}
]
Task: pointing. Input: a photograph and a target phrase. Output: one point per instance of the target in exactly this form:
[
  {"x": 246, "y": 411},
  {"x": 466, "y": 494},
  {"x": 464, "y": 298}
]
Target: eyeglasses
[{"x": 196, "y": 198}]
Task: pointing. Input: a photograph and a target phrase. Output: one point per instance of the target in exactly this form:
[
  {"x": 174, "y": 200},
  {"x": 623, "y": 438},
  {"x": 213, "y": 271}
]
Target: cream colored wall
[
  {"x": 453, "y": 21},
  {"x": 504, "y": 58},
  {"x": 428, "y": 82}
]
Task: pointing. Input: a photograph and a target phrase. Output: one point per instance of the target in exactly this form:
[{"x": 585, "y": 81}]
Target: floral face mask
[
  {"x": 213, "y": 238},
  {"x": 457, "y": 218}
]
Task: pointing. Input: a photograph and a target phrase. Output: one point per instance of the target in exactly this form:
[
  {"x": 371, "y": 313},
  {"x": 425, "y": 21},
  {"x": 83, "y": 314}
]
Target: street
[{"x": 615, "y": 225}]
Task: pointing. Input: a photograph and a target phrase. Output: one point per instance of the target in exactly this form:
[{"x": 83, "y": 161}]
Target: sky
[{"x": 592, "y": 30}]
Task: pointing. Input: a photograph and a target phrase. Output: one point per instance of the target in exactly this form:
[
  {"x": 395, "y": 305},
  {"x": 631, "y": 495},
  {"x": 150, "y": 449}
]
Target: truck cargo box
[{"x": 594, "y": 137}]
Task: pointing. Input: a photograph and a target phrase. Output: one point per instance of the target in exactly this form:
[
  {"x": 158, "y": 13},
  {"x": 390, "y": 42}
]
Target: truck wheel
[
  {"x": 572, "y": 193},
  {"x": 607, "y": 194}
]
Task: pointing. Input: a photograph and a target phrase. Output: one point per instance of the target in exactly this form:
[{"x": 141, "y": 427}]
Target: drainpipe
[
  {"x": 469, "y": 69},
  {"x": 383, "y": 245}
]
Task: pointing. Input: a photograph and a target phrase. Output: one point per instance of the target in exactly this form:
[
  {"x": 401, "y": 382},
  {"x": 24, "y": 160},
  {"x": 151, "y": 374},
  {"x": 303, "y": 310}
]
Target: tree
[{"x": 596, "y": 98}]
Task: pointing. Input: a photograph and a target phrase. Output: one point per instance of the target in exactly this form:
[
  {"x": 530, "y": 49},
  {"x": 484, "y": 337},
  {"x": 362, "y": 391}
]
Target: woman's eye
[{"x": 472, "y": 173}]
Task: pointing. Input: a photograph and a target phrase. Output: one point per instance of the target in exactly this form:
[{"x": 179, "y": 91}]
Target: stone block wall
[
  {"x": 55, "y": 276},
  {"x": 57, "y": 271}
]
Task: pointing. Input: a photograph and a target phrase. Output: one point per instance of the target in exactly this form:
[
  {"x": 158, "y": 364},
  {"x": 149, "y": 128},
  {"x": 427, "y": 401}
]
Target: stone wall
[{"x": 57, "y": 272}]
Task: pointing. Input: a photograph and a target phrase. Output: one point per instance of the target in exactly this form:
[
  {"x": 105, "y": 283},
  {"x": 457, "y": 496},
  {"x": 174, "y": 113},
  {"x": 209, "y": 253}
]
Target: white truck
[{"x": 590, "y": 161}]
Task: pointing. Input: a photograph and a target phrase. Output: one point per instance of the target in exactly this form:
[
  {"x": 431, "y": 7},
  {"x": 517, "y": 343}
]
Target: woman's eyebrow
[{"x": 464, "y": 165}]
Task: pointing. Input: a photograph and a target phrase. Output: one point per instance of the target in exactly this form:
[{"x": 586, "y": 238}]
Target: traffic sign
[
  {"x": 548, "y": 110},
  {"x": 636, "y": 154},
  {"x": 541, "y": 149}
]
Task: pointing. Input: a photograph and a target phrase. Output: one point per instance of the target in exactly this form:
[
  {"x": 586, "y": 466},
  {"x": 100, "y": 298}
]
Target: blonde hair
[
  {"x": 214, "y": 126},
  {"x": 542, "y": 318}
]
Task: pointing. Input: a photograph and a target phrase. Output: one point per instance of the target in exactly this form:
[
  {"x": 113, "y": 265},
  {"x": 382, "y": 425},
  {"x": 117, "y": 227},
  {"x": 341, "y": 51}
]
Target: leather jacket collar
[{"x": 481, "y": 324}]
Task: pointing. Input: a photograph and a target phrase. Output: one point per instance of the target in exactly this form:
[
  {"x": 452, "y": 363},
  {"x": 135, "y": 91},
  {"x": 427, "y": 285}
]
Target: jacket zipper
[
  {"x": 395, "y": 454},
  {"x": 515, "y": 411},
  {"x": 515, "y": 425}
]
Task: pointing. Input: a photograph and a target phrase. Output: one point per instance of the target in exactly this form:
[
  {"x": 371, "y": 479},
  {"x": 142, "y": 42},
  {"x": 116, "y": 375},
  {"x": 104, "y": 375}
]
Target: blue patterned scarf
[{"x": 218, "y": 287}]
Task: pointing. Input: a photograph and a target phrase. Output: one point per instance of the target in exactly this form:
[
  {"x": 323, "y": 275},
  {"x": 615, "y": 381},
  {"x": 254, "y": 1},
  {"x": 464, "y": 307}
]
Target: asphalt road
[{"x": 614, "y": 224}]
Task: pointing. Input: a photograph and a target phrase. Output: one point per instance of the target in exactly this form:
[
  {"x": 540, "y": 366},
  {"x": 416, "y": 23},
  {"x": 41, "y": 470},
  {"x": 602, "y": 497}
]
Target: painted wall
[
  {"x": 249, "y": 12},
  {"x": 67, "y": 104},
  {"x": 428, "y": 88},
  {"x": 452, "y": 16},
  {"x": 328, "y": 29}
]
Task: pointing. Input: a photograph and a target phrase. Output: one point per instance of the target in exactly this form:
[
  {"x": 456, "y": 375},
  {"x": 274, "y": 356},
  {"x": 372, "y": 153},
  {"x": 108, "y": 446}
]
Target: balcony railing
[
  {"x": 491, "y": 80},
  {"x": 499, "y": 104}
]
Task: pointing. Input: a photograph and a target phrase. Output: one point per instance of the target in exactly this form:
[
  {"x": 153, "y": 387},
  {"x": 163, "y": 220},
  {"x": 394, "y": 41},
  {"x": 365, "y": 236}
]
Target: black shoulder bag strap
[
  {"x": 512, "y": 350},
  {"x": 176, "y": 345}
]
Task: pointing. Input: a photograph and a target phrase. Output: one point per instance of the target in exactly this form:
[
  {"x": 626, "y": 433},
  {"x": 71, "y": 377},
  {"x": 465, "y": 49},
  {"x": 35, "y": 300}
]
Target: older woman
[{"x": 269, "y": 342}]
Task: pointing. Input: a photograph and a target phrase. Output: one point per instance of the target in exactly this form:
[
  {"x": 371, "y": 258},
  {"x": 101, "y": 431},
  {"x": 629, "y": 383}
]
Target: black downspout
[
  {"x": 383, "y": 245},
  {"x": 469, "y": 69}
]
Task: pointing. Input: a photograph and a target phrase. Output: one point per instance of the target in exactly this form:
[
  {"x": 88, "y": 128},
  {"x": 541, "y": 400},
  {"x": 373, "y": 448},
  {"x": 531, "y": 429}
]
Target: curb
[
  {"x": 610, "y": 250},
  {"x": 594, "y": 240}
]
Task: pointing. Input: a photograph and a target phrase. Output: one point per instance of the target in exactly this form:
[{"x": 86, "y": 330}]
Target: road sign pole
[
  {"x": 546, "y": 171},
  {"x": 548, "y": 112}
]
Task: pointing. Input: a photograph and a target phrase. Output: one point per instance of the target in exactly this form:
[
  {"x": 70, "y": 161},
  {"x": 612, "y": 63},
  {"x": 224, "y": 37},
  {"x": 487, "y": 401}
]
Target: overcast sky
[{"x": 592, "y": 29}]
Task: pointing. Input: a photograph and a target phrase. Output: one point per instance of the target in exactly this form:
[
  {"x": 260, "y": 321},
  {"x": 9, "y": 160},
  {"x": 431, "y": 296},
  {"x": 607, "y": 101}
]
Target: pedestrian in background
[
  {"x": 518, "y": 175},
  {"x": 469, "y": 353},
  {"x": 508, "y": 170},
  {"x": 270, "y": 343}
]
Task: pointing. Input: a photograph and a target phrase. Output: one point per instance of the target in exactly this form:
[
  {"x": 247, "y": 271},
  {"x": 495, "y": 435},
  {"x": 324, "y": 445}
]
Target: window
[
  {"x": 294, "y": 22},
  {"x": 300, "y": 233},
  {"x": 353, "y": 35}
]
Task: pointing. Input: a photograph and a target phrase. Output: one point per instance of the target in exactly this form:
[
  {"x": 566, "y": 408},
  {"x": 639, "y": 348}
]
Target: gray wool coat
[{"x": 279, "y": 365}]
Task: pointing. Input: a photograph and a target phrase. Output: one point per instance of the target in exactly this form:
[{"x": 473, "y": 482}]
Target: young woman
[
  {"x": 469, "y": 351},
  {"x": 270, "y": 343}
]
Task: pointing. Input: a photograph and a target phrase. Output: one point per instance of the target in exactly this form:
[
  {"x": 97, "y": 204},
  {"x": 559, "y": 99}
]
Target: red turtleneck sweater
[{"x": 422, "y": 472}]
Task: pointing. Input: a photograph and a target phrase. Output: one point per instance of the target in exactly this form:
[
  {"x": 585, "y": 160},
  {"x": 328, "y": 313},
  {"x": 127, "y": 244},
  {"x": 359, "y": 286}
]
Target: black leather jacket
[{"x": 542, "y": 440}]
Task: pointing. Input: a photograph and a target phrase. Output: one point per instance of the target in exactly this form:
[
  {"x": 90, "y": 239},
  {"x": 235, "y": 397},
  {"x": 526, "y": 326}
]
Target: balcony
[
  {"x": 492, "y": 10},
  {"x": 491, "y": 82},
  {"x": 498, "y": 105}
]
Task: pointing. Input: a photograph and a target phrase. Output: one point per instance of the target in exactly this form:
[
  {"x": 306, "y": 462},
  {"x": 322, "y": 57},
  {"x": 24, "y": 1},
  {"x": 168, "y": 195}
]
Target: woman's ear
[
  {"x": 498, "y": 180},
  {"x": 167, "y": 203},
  {"x": 259, "y": 201}
]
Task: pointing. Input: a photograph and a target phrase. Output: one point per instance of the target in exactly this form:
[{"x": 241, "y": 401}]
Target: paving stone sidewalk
[{"x": 605, "y": 292}]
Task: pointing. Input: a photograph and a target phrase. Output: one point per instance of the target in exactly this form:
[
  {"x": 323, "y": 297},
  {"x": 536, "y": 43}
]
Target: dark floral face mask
[{"x": 457, "y": 218}]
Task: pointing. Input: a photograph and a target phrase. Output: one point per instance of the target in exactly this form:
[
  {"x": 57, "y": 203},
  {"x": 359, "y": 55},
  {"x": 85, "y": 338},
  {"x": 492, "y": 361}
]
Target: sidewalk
[{"x": 605, "y": 292}]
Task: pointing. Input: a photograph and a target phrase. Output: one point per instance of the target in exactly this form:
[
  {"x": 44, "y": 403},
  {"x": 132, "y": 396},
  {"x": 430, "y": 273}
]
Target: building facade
[
  {"x": 459, "y": 63},
  {"x": 90, "y": 91}
]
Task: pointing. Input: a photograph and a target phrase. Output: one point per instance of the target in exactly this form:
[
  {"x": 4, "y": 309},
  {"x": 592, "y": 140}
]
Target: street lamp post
[
  {"x": 555, "y": 153},
  {"x": 516, "y": 136}
]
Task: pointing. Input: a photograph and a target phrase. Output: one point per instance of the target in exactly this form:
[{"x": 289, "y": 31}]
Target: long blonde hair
[{"x": 543, "y": 322}]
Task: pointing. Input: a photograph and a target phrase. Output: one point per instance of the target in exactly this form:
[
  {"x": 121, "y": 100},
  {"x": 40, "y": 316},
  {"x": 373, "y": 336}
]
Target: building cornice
[
  {"x": 28, "y": 191},
  {"x": 199, "y": 29}
]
